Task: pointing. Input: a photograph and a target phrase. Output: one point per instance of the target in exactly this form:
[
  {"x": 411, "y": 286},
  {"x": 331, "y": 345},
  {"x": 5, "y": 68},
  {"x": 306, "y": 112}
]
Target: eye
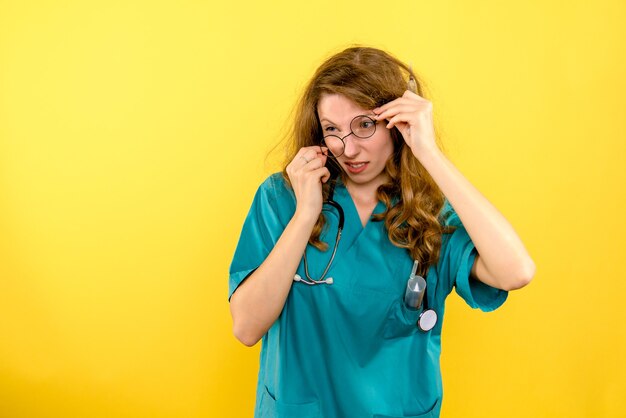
[
  {"x": 329, "y": 129},
  {"x": 365, "y": 124}
]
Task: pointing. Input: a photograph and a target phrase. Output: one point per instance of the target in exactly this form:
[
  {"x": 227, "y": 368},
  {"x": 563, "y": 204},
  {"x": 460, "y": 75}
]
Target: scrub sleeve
[
  {"x": 456, "y": 260},
  {"x": 261, "y": 230}
]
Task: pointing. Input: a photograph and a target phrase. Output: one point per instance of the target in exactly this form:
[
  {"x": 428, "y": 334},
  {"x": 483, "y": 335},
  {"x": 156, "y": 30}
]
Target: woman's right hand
[{"x": 306, "y": 173}]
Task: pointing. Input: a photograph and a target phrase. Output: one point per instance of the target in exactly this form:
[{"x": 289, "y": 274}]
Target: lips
[{"x": 356, "y": 166}]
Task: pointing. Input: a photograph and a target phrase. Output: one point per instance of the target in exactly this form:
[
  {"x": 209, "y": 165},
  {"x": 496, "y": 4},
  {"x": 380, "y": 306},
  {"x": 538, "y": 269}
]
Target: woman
[{"x": 338, "y": 338}]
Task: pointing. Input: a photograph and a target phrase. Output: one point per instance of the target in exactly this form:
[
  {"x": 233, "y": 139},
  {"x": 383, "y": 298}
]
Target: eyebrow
[{"x": 369, "y": 115}]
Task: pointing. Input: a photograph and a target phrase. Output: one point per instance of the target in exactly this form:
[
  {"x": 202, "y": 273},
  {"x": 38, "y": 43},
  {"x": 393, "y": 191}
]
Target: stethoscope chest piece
[{"x": 427, "y": 320}]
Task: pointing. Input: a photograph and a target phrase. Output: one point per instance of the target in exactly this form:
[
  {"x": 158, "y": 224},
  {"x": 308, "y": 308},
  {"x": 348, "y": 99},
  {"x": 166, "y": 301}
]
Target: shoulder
[
  {"x": 277, "y": 194},
  {"x": 276, "y": 185},
  {"x": 448, "y": 216}
]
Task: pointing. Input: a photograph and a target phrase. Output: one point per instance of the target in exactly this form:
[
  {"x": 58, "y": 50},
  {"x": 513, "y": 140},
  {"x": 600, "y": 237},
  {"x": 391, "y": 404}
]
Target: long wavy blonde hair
[{"x": 370, "y": 78}]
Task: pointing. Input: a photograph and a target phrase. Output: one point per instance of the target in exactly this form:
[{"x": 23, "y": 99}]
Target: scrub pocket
[
  {"x": 401, "y": 321},
  {"x": 271, "y": 408},
  {"x": 431, "y": 413}
]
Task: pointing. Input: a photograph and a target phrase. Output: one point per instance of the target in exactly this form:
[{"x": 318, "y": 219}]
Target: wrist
[
  {"x": 305, "y": 218},
  {"x": 426, "y": 153}
]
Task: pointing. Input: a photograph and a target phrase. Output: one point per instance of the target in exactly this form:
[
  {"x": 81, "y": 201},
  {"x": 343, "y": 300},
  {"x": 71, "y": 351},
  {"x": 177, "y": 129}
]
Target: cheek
[{"x": 384, "y": 146}]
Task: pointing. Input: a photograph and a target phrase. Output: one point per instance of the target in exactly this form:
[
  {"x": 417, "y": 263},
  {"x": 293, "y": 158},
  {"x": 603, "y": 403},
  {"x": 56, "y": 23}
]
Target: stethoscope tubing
[
  {"x": 309, "y": 280},
  {"x": 427, "y": 318}
]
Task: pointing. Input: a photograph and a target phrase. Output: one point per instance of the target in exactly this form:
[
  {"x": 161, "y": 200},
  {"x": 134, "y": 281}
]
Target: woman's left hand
[{"x": 413, "y": 116}]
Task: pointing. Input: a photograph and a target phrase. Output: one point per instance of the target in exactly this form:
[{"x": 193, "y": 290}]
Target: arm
[
  {"x": 503, "y": 262},
  {"x": 259, "y": 299}
]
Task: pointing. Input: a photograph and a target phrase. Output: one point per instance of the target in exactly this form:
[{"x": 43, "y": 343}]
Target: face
[{"x": 363, "y": 160}]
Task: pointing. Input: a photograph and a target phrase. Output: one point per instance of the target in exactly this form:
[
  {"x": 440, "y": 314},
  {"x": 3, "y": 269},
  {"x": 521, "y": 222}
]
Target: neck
[{"x": 366, "y": 192}]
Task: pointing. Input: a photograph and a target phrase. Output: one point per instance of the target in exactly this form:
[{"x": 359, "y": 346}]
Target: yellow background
[{"x": 133, "y": 135}]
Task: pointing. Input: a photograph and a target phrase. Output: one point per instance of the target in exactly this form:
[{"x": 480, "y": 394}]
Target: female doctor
[{"x": 366, "y": 200}]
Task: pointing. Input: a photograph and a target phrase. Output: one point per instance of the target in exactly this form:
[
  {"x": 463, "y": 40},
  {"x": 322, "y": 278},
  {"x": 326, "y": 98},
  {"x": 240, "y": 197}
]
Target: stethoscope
[
  {"x": 415, "y": 297},
  {"x": 427, "y": 318},
  {"x": 310, "y": 281}
]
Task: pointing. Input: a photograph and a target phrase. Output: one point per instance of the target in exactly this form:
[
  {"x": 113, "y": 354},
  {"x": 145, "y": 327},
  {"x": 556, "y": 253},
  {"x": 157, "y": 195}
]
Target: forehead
[{"x": 338, "y": 108}]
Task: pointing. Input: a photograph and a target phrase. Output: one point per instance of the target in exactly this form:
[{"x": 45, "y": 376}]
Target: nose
[{"x": 351, "y": 147}]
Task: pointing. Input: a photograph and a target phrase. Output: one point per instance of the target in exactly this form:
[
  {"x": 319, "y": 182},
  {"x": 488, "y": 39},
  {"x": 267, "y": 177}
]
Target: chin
[{"x": 358, "y": 179}]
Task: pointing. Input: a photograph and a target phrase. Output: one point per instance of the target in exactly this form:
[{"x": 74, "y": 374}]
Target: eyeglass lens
[{"x": 361, "y": 127}]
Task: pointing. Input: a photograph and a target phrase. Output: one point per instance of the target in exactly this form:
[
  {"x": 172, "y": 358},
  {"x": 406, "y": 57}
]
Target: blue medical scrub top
[{"x": 352, "y": 349}]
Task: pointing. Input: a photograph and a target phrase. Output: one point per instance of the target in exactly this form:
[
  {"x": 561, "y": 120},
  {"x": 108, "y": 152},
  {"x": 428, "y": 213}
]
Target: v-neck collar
[{"x": 350, "y": 209}]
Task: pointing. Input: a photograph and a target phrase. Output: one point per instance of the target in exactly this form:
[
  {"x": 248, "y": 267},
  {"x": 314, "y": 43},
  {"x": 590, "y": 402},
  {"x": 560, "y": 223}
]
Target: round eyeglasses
[{"x": 362, "y": 127}]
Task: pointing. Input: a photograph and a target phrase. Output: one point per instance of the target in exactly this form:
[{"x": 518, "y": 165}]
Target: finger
[
  {"x": 300, "y": 152},
  {"x": 314, "y": 164},
  {"x": 309, "y": 152},
  {"x": 313, "y": 151},
  {"x": 322, "y": 173},
  {"x": 400, "y": 108},
  {"x": 315, "y": 148},
  {"x": 322, "y": 154},
  {"x": 334, "y": 163},
  {"x": 297, "y": 160},
  {"x": 378, "y": 110},
  {"x": 308, "y": 167},
  {"x": 305, "y": 157},
  {"x": 400, "y": 117},
  {"x": 322, "y": 150},
  {"x": 410, "y": 105}
]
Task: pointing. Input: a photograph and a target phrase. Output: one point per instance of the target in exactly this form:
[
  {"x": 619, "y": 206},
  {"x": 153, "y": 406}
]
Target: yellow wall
[{"x": 132, "y": 139}]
